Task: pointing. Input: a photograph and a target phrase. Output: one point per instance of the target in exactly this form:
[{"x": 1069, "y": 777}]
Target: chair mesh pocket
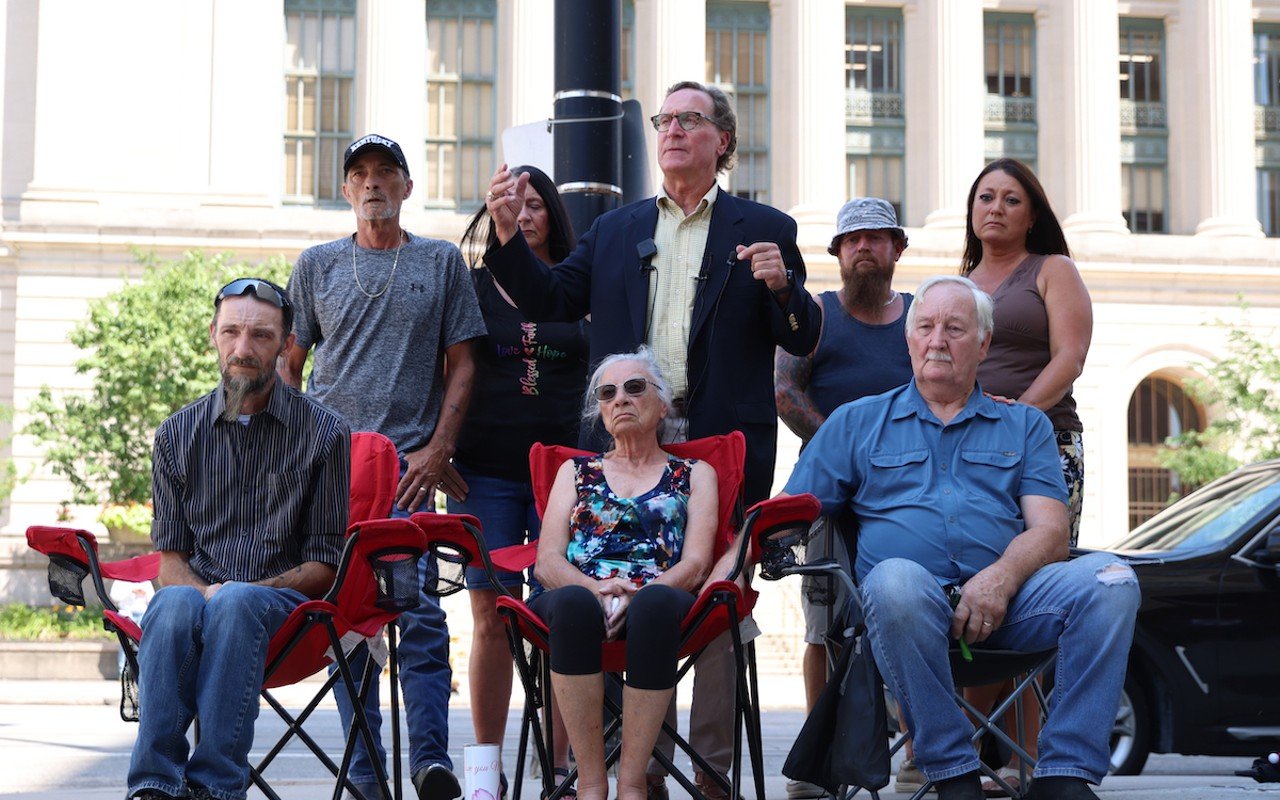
[
  {"x": 450, "y": 570},
  {"x": 782, "y": 549},
  {"x": 129, "y": 685},
  {"x": 396, "y": 573},
  {"x": 66, "y": 577}
]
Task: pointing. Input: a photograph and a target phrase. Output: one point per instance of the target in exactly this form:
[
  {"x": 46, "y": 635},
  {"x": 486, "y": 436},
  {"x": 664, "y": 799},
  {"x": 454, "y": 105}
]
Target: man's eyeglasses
[
  {"x": 634, "y": 388},
  {"x": 688, "y": 120},
  {"x": 260, "y": 289}
]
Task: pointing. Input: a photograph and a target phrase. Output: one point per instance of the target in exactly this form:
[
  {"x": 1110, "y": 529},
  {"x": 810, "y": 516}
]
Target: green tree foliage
[
  {"x": 148, "y": 351},
  {"x": 1244, "y": 386}
]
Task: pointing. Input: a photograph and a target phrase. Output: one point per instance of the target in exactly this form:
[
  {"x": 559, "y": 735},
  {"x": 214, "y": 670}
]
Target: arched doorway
[{"x": 1158, "y": 409}]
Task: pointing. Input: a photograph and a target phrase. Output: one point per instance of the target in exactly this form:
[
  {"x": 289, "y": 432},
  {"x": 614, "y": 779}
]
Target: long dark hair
[
  {"x": 480, "y": 235},
  {"x": 1045, "y": 236}
]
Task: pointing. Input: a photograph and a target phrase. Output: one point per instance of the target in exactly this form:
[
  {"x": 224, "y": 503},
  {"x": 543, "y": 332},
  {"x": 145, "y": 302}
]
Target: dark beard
[
  {"x": 867, "y": 291},
  {"x": 236, "y": 390}
]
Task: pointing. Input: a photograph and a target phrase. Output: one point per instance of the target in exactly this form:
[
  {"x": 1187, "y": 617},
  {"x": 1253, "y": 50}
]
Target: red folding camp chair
[
  {"x": 376, "y": 581},
  {"x": 720, "y": 607}
]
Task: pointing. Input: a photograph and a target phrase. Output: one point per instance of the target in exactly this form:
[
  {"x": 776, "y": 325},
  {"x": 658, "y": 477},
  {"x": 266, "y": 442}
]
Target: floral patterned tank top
[{"x": 637, "y": 538}]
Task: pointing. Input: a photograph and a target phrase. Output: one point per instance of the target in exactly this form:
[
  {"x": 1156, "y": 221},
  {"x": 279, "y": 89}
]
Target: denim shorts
[{"x": 507, "y": 516}]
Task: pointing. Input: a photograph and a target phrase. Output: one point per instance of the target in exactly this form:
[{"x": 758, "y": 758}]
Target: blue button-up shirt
[{"x": 944, "y": 496}]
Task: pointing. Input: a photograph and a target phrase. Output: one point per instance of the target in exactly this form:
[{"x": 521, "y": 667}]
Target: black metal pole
[{"x": 588, "y": 107}]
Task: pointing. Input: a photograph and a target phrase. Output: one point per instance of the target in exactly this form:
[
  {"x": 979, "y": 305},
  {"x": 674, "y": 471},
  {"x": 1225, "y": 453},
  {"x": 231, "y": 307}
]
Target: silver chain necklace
[{"x": 391, "y": 277}]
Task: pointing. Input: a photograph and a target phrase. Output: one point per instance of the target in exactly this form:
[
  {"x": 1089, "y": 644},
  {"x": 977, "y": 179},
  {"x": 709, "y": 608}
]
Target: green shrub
[
  {"x": 1243, "y": 389},
  {"x": 50, "y": 623},
  {"x": 148, "y": 351}
]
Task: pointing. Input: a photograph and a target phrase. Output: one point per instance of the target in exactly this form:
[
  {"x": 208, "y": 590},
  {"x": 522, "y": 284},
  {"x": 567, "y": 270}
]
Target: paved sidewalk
[{"x": 64, "y": 739}]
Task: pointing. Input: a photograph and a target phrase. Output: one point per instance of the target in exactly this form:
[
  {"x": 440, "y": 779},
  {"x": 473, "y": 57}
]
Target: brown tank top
[{"x": 1020, "y": 343}]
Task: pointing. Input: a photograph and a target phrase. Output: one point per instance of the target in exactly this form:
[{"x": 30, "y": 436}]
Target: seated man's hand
[
  {"x": 984, "y": 600},
  {"x": 210, "y": 590}
]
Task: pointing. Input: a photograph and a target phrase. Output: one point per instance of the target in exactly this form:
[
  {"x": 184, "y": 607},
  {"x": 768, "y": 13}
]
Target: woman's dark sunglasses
[{"x": 634, "y": 388}]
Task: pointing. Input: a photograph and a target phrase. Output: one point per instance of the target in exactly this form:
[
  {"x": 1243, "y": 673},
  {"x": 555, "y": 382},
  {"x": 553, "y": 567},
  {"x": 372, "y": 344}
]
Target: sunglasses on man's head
[
  {"x": 634, "y": 388},
  {"x": 258, "y": 288}
]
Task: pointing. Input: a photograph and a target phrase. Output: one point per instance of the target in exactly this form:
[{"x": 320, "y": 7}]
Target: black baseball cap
[{"x": 374, "y": 142}]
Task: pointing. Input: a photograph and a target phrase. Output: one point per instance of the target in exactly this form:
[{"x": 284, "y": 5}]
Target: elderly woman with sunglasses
[{"x": 627, "y": 539}]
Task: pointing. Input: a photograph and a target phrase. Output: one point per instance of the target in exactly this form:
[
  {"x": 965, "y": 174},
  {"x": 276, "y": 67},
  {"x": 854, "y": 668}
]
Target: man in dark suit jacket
[
  {"x": 713, "y": 283},
  {"x": 748, "y": 292}
]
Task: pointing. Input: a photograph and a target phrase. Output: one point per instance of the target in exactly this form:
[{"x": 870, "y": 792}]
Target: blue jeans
[
  {"x": 1084, "y": 607},
  {"x": 207, "y": 659},
  {"x": 426, "y": 681},
  {"x": 507, "y": 516}
]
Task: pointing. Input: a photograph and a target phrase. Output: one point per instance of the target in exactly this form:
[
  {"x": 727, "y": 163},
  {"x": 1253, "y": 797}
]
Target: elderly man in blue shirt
[{"x": 950, "y": 487}]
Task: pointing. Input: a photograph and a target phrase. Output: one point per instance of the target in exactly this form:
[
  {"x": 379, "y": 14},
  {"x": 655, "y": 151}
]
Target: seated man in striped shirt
[{"x": 250, "y": 486}]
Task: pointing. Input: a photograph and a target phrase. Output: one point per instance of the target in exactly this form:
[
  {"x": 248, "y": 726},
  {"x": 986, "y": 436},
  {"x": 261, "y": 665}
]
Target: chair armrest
[{"x": 772, "y": 525}]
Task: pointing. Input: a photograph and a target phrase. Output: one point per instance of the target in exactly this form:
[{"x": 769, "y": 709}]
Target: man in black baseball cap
[
  {"x": 376, "y": 297},
  {"x": 371, "y": 142}
]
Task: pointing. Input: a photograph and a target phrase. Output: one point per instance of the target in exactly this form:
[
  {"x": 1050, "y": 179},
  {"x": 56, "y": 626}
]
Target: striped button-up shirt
[
  {"x": 251, "y": 501},
  {"x": 681, "y": 242}
]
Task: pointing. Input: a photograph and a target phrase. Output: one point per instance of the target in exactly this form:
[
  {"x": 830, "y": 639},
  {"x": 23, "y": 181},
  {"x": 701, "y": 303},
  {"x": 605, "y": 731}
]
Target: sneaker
[
  {"x": 436, "y": 782},
  {"x": 961, "y": 787},
  {"x": 910, "y": 779},
  {"x": 803, "y": 790},
  {"x": 1060, "y": 787}
]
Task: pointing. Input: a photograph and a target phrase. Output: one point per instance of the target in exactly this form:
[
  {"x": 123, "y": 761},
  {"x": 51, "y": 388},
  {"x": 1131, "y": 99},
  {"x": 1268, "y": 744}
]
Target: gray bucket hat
[{"x": 865, "y": 214}]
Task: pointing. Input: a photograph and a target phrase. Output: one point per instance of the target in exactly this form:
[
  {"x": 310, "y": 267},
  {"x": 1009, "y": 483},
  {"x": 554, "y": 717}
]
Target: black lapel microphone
[{"x": 647, "y": 250}]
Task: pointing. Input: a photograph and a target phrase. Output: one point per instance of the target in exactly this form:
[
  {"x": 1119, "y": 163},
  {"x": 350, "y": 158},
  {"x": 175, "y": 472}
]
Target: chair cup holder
[
  {"x": 66, "y": 577},
  {"x": 396, "y": 574}
]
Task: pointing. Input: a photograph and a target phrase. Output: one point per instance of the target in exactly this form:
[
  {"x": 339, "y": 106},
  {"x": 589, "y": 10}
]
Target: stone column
[
  {"x": 807, "y": 103},
  {"x": 1213, "y": 182},
  {"x": 945, "y": 96},
  {"x": 526, "y": 61},
  {"x": 391, "y": 74},
  {"x": 1078, "y": 107},
  {"x": 671, "y": 46}
]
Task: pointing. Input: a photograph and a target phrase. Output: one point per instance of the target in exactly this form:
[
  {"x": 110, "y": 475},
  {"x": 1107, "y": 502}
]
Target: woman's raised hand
[{"x": 505, "y": 201}]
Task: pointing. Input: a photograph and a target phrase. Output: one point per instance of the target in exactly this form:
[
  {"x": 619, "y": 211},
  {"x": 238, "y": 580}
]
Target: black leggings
[{"x": 651, "y": 631}]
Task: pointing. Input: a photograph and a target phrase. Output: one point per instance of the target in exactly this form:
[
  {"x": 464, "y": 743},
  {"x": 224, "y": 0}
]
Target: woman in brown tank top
[{"x": 1016, "y": 252}]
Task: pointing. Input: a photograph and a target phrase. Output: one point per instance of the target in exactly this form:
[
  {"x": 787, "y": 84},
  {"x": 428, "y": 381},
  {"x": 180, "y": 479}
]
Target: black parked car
[{"x": 1204, "y": 672}]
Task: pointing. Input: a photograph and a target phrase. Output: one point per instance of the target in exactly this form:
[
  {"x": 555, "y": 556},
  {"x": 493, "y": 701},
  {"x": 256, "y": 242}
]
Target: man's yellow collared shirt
[{"x": 681, "y": 243}]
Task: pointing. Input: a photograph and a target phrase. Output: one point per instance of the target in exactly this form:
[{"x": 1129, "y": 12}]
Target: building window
[
  {"x": 461, "y": 101},
  {"x": 1009, "y": 57},
  {"x": 1142, "y": 195},
  {"x": 627, "y": 46},
  {"x": 738, "y": 63},
  {"x": 1269, "y": 199},
  {"x": 319, "y": 87},
  {"x": 875, "y": 126},
  {"x": 877, "y": 176},
  {"x": 1144, "y": 140},
  {"x": 1158, "y": 409},
  {"x": 1266, "y": 88}
]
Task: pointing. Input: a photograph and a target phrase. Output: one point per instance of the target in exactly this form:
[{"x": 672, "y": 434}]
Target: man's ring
[
  {"x": 488, "y": 196},
  {"x": 986, "y": 624},
  {"x": 422, "y": 488}
]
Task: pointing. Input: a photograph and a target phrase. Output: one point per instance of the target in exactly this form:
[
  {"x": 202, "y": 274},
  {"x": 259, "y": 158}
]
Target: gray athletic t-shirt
[{"x": 378, "y": 359}]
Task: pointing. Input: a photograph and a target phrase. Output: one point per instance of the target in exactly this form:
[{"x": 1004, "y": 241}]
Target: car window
[{"x": 1209, "y": 516}]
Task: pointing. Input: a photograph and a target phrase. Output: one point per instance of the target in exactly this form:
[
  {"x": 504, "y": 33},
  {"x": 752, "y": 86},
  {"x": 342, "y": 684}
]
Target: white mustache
[{"x": 937, "y": 355}]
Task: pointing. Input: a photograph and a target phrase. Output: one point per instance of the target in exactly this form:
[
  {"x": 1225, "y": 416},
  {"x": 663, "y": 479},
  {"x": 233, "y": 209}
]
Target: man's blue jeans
[
  {"x": 207, "y": 659},
  {"x": 426, "y": 682},
  {"x": 1084, "y": 607}
]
